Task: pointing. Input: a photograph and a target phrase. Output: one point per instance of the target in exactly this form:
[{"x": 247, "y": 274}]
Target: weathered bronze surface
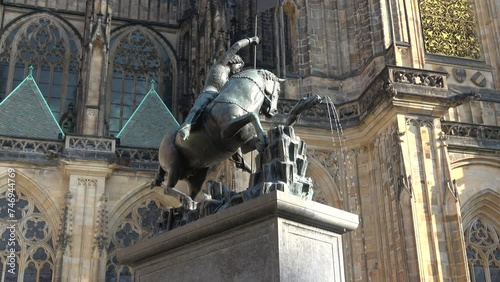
[
  {"x": 228, "y": 124},
  {"x": 224, "y": 123},
  {"x": 229, "y": 64}
]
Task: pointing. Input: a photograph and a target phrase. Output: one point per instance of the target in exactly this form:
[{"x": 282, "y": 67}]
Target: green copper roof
[
  {"x": 148, "y": 124},
  {"x": 25, "y": 113}
]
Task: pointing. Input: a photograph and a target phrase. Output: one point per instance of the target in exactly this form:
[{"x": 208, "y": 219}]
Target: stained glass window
[
  {"x": 52, "y": 49},
  {"x": 449, "y": 28},
  {"x": 483, "y": 251},
  {"x": 137, "y": 225},
  {"x": 137, "y": 57},
  {"x": 34, "y": 241}
]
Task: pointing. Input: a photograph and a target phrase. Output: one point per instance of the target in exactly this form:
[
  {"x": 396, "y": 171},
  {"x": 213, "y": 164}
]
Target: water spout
[{"x": 334, "y": 117}]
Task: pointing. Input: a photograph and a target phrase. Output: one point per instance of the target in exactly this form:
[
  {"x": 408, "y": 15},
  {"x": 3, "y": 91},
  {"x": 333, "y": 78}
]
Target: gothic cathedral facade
[{"x": 88, "y": 88}]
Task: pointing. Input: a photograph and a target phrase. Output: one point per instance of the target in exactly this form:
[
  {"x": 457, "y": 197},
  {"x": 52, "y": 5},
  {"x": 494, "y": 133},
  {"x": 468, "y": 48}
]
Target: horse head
[{"x": 272, "y": 88}]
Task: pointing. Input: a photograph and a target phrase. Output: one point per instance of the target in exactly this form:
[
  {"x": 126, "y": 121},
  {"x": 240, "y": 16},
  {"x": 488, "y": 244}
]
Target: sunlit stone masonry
[{"x": 88, "y": 89}]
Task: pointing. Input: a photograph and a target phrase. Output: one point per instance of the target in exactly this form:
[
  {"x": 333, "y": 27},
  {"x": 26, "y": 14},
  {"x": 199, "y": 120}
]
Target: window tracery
[
  {"x": 483, "y": 251},
  {"x": 53, "y": 49},
  {"x": 34, "y": 242},
  {"x": 136, "y": 226},
  {"x": 449, "y": 28},
  {"x": 137, "y": 58},
  {"x": 319, "y": 196}
]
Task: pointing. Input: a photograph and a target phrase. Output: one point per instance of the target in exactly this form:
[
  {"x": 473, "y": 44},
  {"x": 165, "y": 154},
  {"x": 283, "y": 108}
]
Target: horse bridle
[{"x": 267, "y": 99}]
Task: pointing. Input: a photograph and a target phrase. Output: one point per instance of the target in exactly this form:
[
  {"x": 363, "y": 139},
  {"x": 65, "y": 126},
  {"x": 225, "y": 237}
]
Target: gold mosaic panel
[{"x": 449, "y": 28}]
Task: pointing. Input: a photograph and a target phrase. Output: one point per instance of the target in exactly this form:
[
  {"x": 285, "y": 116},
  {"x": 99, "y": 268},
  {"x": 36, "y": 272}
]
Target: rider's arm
[{"x": 236, "y": 47}]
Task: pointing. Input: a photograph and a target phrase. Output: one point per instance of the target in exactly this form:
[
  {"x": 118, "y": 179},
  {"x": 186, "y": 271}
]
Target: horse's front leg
[
  {"x": 239, "y": 161},
  {"x": 236, "y": 124}
]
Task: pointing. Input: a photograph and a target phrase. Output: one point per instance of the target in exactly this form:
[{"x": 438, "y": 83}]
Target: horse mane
[{"x": 265, "y": 74}]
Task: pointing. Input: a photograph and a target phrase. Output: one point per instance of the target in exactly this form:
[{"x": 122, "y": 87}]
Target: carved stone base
[
  {"x": 283, "y": 166},
  {"x": 275, "y": 237}
]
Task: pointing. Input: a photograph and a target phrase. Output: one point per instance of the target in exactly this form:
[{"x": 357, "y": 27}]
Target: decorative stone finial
[
  {"x": 153, "y": 84},
  {"x": 30, "y": 74}
]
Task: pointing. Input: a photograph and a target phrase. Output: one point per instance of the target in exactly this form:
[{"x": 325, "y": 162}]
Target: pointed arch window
[
  {"x": 136, "y": 226},
  {"x": 34, "y": 241},
  {"x": 449, "y": 28},
  {"x": 137, "y": 57},
  {"x": 483, "y": 251},
  {"x": 52, "y": 48}
]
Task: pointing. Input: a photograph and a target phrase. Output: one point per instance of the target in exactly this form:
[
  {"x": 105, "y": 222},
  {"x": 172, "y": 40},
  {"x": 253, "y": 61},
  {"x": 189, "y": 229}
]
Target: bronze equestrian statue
[
  {"x": 229, "y": 64},
  {"x": 229, "y": 123}
]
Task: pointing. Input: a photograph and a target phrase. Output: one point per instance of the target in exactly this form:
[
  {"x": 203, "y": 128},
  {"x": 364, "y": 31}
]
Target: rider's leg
[{"x": 195, "y": 112}]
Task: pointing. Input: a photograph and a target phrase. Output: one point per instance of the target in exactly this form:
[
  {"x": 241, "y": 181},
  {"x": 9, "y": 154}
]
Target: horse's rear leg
[
  {"x": 196, "y": 180},
  {"x": 169, "y": 184}
]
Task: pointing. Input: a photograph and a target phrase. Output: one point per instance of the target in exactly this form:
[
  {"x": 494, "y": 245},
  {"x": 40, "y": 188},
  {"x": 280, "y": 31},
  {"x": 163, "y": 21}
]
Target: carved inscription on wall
[{"x": 449, "y": 28}]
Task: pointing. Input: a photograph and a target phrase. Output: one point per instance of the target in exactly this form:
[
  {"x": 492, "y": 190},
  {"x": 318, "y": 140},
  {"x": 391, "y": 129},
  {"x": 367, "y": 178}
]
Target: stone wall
[
  {"x": 164, "y": 12},
  {"x": 324, "y": 30}
]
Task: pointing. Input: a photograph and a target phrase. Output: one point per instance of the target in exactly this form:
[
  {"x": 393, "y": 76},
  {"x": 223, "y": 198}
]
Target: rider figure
[{"x": 219, "y": 73}]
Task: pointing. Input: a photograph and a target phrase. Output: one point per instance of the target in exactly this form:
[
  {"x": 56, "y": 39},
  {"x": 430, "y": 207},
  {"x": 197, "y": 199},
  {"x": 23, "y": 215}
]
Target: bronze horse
[{"x": 229, "y": 123}]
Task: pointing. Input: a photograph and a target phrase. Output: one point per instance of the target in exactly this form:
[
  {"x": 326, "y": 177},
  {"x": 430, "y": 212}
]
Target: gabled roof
[
  {"x": 25, "y": 113},
  {"x": 148, "y": 124}
]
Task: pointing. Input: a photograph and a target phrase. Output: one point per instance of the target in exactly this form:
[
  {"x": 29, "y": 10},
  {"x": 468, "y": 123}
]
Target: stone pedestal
[{"x": 275, "y": 237}]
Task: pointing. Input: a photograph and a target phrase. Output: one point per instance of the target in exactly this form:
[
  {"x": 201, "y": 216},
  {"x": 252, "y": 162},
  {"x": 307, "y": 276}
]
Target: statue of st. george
[{"x": 229, "y": 64}]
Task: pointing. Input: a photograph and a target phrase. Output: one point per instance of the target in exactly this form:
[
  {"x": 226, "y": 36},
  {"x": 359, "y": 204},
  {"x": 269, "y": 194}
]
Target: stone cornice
[
  {"x": 87, "y": 168},
  {"x": 471, "y": 137},
  {"x": 412, "y": 90}
]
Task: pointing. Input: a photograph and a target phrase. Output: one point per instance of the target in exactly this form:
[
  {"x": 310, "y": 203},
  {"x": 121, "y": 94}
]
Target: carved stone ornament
[
  {"x": 479, "y": 79},
  {"x": 459, "y": 99},
  {"x": 66, "y": 228},
  {"x": 449, "y": 28},
  {"x": 471, "y": 130},
  {"x": 27, "y": 233},
  {"x": 418, "y": 78},
  {"x": 101, "y": 237},
  {"x": 459, "y": 74}
]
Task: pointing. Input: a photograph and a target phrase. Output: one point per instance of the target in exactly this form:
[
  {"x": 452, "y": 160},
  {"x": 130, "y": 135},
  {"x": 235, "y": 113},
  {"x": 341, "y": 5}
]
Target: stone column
[
  {"x": 94, "y": 68},
  {"x": 431, "y": 221},
  {"x": 452, "y": 217},
  {"x": 87, "y": 187},
  {"x": 407, "y": 203}
]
